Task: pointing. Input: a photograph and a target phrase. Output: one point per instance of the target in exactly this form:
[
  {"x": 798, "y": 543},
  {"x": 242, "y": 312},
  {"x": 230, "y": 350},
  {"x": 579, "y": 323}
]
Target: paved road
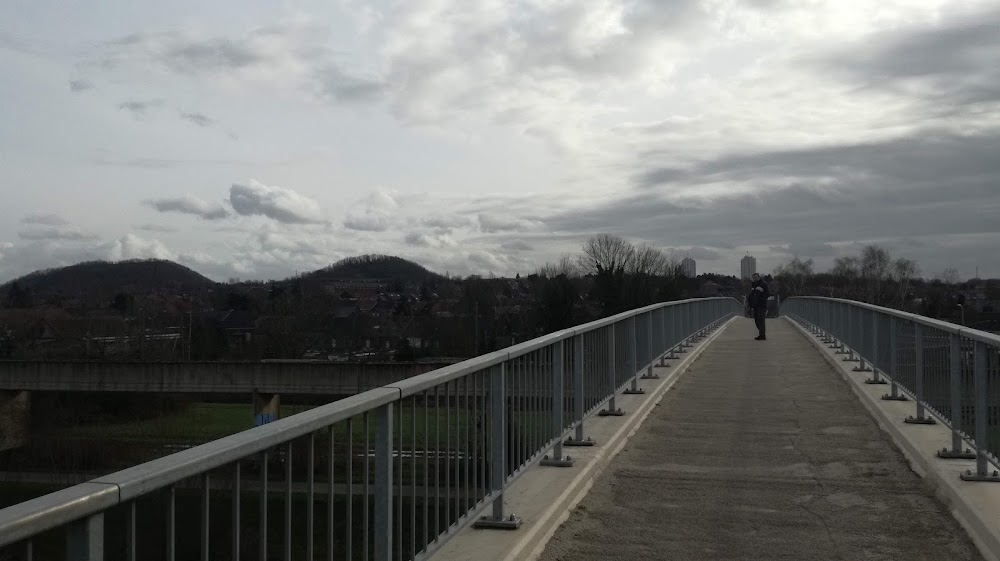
[{"x": 761, "y": 451}]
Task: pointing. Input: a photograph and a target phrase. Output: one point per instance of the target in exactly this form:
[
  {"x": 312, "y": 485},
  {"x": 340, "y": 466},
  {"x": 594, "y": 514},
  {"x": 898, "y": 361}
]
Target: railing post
[
  {"x": 649, "y": 375},
  {"x": 893, "y": 365},
  {"x": 578, "y": 398},
  {"x": 918, "y": 351},
  {"x": 842, "y": 327},
  {"x": 85, "y": 539},
  {"x": 611, "y": 411},
  {"x": 633, "y": 363},
  {"x": 558, "y": 397},
  {"x": 955, "y": 368},
  {"x": 383, "y": 482},
  {"x": 662, "y": 346},
  {"x": 861, "y": 344},
  {"x": 849, "y": 335},
  {"x": 875, "y": 379},
  {"x": 675, "y": 338},
  {"x": 982, "y": 417},
  {"x": 498, "y": 452}
]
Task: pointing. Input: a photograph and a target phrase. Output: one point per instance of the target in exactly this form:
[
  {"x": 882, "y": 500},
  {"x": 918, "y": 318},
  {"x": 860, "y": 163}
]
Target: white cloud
[
  {"x": 277, "y": 203},
  {"x": 131, "y": 246},
  {"x": 373, "y": 214}
]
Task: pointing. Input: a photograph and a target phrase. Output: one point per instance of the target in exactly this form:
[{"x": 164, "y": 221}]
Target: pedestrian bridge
[{"x": 852, "y": 432}]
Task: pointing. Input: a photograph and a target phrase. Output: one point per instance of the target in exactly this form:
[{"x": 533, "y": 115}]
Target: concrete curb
[
  {"x": 974, "y": 504},
  {"x": 529, "y": 544}
]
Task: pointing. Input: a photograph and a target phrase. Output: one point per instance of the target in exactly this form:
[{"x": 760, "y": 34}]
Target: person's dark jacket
[{"x": 759, "y": 292}]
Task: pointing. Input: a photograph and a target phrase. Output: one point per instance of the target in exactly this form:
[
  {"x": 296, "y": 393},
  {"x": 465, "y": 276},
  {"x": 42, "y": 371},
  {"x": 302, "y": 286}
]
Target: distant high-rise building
[
  {"x": 748, "y": 266},
  {"x": 688, "y": 267}
]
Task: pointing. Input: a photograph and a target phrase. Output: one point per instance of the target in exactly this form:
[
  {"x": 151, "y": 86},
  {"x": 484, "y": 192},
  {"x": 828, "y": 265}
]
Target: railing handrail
[
  {"x": 29, "y": 518},
  {"x": 960, "y": 330}
]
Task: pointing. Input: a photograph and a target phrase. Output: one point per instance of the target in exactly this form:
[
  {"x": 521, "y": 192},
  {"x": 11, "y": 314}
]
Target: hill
[
  {"x": 106, "y": 276},
  {"x": 385, "y": 267}
]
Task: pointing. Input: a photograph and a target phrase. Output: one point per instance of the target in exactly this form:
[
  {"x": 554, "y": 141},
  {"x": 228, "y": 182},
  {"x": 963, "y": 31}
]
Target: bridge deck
[{"x": 761, "y": 451}]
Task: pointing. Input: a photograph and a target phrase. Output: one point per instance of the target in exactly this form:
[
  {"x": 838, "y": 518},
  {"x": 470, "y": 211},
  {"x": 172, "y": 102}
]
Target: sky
[{"x": 257, "y": 140}]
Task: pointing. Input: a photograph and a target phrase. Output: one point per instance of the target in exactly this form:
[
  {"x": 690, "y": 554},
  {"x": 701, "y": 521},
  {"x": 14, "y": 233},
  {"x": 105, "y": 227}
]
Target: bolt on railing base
[
  {"x": 900, "y": 397},
  {"x": 859, "y": 369},
  {"x": 969, "y": 476},
  {"x": 563, "y": 462},
  {"x": 611, "y": 412},
  {"x": 873, "y": 380},
  {"x": 849, "y": 359},
  {"x": 636, "y": 391},
  {"x": 947, "y": 454},
  {"x": 920, "y": 421},
  {"x": 574, "y": 442},
  {"x": 511, "y": 522},
  {"x": 653, "y": 376},
  {"x": 842, "y": 352}
]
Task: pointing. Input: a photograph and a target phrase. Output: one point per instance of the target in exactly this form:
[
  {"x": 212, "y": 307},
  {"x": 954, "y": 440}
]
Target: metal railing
[
  {"x": 951, "y": 372},
  {"x": 391, "y": 473}
]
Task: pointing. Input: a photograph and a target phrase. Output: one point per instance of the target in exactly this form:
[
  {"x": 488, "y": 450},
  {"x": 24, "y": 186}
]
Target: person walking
[{"x": 757, "y": 304}]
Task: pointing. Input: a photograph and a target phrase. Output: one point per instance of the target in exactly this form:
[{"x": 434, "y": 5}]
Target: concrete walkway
[{"x": 760, "y": 451}]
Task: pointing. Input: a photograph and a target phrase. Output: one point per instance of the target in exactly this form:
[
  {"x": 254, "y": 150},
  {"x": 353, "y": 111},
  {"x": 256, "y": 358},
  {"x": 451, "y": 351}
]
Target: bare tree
[
  {"x": 904, "y": 271},
  {"x": 875, "y": 271},
  {"x": 794, "y": 274},
  {"x": 949, "y": 276},
  {"x": 564, "y": 266},
  {"x": 648, "y": 260},
  {"x": 607, "y": 252}
]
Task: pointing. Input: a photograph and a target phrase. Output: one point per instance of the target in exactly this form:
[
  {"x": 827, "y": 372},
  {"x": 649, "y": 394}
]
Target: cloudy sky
[{"x": 257, "y": 139}]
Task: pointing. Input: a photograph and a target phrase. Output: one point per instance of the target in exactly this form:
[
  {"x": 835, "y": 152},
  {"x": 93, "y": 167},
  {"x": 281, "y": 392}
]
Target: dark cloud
[
  {"x": 190, "y": 205},
  {"x": 932, "y": 183},
  {"x": 806, "y": 250},
  {"x": 45, "y": 234},
  {"x": 77, "y": 86},
  {"x": 294, "y": 51},
  {"x": 337, "y": 85},
  {"x": 277, "y": 203},
  {"x": 517, "y": 245},
  {"x": 695, "y": 252},
  {"x": 954, "y": 61},
  {"x": 157, "y": 228},
  {"x": 198, "y": 119},
  {"x": 45, "y": 219},
  {"x": 494, "y": 223},
  {"x": 139, "y": 108}
]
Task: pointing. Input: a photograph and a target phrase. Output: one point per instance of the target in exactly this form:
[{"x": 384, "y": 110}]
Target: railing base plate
[
  {"x": 900, "y": 397},
  {"x": 637, "y": 391},
  {"x": 866, "y": 369},
  {"x": 874, "y": 381},
  {"x": 850, "y": 360},
  {"x": 511, "y": 522},
  {"x": 654, "y": 376},
  {"x": 611, "y": 413},
  {"x": 563, "y": 462},
  {"x": 969, "y": 476},
  {"x": 841, "y": 352},
  {"x": 947, "y": 454},
  {"x": 919, "y": 421},
  {"x": 574, "y": 442}
]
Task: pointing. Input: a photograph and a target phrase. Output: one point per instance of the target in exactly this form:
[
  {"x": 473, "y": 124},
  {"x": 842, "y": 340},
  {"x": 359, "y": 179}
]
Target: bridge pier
[
  {"x": 266, "y": 408},
  {"x": 15, "y": 418}
]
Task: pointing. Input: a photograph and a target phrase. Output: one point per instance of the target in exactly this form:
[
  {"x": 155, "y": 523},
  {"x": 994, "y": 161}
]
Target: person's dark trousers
[{"x": 758, "y": 318}]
